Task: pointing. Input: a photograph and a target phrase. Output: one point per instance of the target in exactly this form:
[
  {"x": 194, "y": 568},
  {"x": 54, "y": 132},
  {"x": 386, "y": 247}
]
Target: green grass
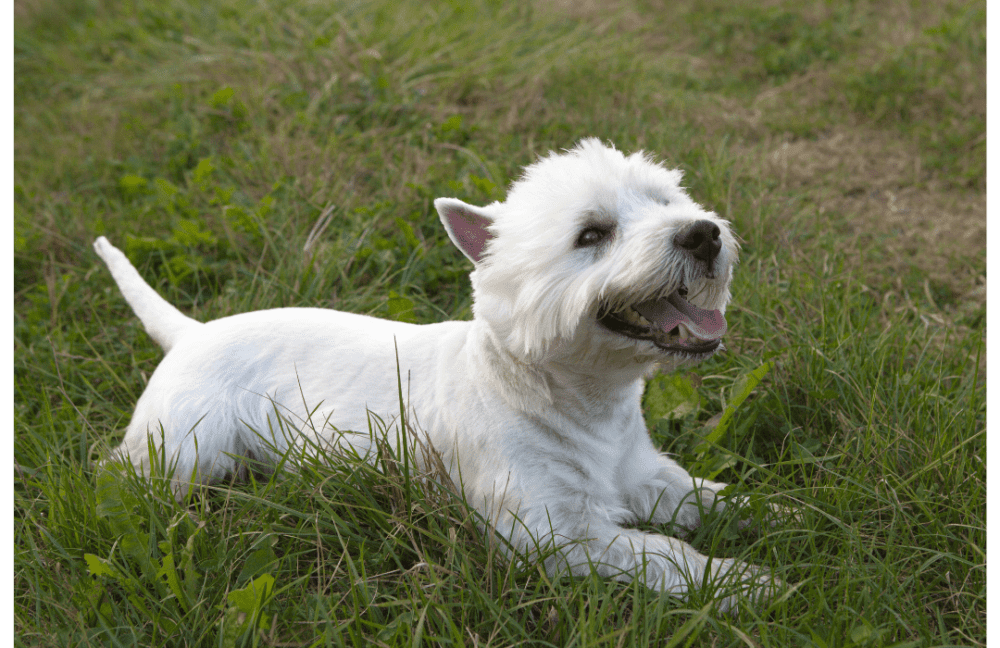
[{"x": 207, "y": 140}]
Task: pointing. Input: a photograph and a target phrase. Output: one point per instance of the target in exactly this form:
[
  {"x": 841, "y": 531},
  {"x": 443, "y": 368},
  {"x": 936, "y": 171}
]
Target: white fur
[{"x": 533, "y": 406}]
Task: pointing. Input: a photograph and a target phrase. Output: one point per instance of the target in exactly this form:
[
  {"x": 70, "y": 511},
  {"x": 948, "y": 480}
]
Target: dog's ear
[{"x": 467, "y": 226}]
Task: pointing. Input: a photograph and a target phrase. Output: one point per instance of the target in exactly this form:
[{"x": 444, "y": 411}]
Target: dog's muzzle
[{"x": 672, "y": 323}]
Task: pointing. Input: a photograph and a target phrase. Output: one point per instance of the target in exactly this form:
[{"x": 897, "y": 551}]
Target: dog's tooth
[
  {"x": 682, "y": 330},
  {"x": 633, "y": 317}
]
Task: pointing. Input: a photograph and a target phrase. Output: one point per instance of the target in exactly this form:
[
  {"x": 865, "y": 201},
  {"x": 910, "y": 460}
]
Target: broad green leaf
[
  {"x": 99, "y": 567},
  {"x": 742, "y": 388},
  {"x": 251, "y": 599},
  {"x": 400, "y": 308},
  {"x": 671, "y": 396}
]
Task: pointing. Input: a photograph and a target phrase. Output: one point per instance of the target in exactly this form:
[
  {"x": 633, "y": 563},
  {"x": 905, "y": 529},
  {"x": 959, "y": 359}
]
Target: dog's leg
[
  {"x": 672, "y": 496},
  {"x": 315, "y": 438},
  {"x": 155, "y": 451},
  {"x": 669, "y": 494},
  {"x": 662, "y": 563}
]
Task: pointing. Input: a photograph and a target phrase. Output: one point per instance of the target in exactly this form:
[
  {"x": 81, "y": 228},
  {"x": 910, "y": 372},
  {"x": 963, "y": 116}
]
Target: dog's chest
[{"x": 601, "y": 457}]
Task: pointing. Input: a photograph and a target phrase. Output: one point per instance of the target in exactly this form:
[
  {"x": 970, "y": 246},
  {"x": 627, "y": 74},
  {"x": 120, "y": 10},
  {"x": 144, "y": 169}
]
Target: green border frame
[
  {"x": 6, "y": 268},
  {"x": 7, "y": 286},
  {"x": 993, "y": 491}
]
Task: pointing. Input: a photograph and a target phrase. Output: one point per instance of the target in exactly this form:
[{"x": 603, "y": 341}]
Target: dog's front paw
[{"x": 696, "y": 505}]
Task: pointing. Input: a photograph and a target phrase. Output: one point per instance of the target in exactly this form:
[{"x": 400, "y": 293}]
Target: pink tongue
[{"x": 667, "y": 313}]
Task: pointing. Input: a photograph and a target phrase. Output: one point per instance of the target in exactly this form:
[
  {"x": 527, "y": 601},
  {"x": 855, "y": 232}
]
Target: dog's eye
[{"x": 591, "y": 236}]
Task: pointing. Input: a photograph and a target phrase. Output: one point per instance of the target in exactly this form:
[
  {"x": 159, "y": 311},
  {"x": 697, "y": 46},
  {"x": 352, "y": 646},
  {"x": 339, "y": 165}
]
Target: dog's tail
[{"x": 162, "y": 321}]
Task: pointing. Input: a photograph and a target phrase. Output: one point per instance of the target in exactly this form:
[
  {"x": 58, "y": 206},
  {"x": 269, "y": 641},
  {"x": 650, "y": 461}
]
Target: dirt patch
[{"x": 876, "y": 186}]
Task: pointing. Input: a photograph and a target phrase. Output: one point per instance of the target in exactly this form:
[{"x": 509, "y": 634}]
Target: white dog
[{"x": 595, "y": 269}]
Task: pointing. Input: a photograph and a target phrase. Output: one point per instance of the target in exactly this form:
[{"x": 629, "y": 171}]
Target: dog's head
[{"x": 597, "y": 255}]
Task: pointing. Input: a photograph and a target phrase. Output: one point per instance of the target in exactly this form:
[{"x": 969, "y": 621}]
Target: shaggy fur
[{"x": 597, "y": 268}]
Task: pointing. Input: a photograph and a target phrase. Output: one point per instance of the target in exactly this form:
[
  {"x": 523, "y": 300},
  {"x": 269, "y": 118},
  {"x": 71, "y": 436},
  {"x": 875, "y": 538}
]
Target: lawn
[{"x": 213, "y": 140}]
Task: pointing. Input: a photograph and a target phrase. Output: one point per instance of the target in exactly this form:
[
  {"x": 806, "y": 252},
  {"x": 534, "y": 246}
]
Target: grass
[{"x": 845, "y": 142}]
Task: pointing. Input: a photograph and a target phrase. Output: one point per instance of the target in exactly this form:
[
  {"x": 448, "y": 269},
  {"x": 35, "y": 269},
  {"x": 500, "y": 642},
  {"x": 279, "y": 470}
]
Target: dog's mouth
[{"x": 672, "y": 323}]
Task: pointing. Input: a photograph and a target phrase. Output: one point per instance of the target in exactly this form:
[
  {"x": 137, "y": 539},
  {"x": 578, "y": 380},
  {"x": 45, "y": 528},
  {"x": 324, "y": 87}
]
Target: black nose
[{"x": 701, "y": 239}]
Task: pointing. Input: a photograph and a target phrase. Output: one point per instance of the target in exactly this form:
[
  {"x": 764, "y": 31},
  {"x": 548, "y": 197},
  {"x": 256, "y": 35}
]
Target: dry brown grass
[{"x": 874, "y": 183}]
